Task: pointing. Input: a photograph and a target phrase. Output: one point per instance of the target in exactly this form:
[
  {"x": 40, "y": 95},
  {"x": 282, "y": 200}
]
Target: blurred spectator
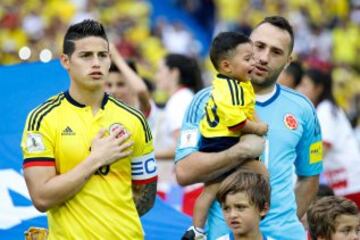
[
  {"x": 355, "y": 116},
  {"x": 177, "y": 39},
  {"x": 33, "y": 25},
  {"x": 341, "y": 150},
  {"x": 346, "y": 43},
  {"x": 125, "y": 84},
  {"x": 179, "y": 76},
  {"x": 203, "y": 12},
  {"x": 291, "y": 76}
]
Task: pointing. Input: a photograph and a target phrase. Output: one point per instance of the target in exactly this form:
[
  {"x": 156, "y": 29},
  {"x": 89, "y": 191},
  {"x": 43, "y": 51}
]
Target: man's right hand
[
  {"x": 254, "y": 144},
  {"x": 108, "y": 149}
]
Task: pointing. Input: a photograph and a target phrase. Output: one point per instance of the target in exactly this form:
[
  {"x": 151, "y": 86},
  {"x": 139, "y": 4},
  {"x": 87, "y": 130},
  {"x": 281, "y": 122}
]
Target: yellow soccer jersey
[
  {"x": 59, "y": 133},
  {"x": 231, "y": 102}
]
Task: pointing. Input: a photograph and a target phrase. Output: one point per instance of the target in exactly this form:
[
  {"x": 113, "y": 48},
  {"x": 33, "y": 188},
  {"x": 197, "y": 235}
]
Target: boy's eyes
[
  {"x": 248, "y": 57},
  {"x": 225, "y": 208},
  {"x": 347, "y": 230},
  {"x": 240, "y": 207},
  {"x": 90, "y": 54}
]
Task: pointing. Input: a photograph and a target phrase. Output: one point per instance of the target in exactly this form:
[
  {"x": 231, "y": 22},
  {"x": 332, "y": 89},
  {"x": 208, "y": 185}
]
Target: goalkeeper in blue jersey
[{"x": 293, "y": 141}]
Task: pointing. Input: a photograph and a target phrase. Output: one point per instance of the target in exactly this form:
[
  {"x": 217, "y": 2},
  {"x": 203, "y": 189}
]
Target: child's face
[
  {"x": 240, "y": 215},
  {"x": 347, "y": 228},
  {"x": 242, "y": 62}
]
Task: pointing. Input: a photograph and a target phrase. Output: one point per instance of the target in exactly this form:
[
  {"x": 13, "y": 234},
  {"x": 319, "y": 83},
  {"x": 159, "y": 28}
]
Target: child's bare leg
[{"x": 203, "y": 203}]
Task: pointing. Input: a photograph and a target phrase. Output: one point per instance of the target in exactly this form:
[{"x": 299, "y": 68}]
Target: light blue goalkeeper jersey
[{"x": 293, "y": 144}]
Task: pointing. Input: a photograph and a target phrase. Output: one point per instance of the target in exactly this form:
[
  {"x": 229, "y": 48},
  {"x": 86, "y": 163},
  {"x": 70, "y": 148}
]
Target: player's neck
[
  {"x": 263, "y": 97},
  {"x": 261, "y": 90},
  {"x": 92, "y": 98}
]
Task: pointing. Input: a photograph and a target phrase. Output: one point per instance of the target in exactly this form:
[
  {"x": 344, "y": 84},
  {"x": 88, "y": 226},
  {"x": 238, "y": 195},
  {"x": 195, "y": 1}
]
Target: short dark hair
[
  {"x": 224, "y": 44},
  {"x": 324, "y": 191},
  {"x": 296, "y": 70},
  {"x": 86, "y": 28},
  {"x": 282, "y": 23},
  {"x": 324, "y": 79},
  {"x": 190, "y": 73},
  {"x": 255, "y": 185},
  {"x": 322, "y": 214}
]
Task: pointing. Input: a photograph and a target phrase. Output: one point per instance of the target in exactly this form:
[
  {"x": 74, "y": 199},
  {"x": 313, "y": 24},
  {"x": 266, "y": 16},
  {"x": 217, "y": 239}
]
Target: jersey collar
[
  {"x": 80, "y": 105},
  {"x": 271, "y": 98},
  {"x": 219, "y": 75}
]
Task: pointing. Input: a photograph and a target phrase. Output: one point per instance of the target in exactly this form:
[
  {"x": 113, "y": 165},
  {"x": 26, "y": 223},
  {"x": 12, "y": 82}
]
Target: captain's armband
[{"x": 144, "y": 169}]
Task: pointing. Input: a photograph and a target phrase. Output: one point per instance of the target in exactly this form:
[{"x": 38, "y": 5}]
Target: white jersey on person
[
  {"x": 293, "y": 143},
  {"x": 170, "y": 118},
  {"x": 168, "y": 121},
  {"x": 342, "y": 162}
]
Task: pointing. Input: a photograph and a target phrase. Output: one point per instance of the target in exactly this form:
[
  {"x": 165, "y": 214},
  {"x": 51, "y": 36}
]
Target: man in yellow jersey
[{"x": 87, "y": 156}]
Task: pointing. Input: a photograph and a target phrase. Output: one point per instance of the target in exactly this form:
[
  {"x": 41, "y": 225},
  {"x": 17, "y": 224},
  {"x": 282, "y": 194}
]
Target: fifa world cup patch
[
  {"x": 113, "y": 127},
  {"x": 316, "y": 152},
  {"x": 290, "y": 121},
  {"x": 34, "y": 143},
  {"x": 188, "y": 138}
]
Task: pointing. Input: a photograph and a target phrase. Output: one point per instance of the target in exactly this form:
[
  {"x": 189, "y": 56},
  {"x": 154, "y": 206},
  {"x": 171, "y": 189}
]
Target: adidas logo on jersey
[{"x": 67, "y": 131}]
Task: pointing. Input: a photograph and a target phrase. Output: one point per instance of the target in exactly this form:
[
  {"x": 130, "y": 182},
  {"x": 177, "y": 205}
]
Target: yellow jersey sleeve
[
  {"x": 143, "y": 163},
  {"x": 37, "y": 142}
]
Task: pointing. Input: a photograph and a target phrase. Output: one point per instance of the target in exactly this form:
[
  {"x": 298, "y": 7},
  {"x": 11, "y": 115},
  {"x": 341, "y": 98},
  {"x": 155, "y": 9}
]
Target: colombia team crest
[
  {"x": 290, "y": 121},
  {"x": 115, "y": 126}
]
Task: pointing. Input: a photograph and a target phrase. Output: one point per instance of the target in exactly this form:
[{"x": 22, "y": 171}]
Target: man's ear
[
  {"x": 65, "y": 61},
  {"x": 175, "y": 74},
  {"x": 225, "y": 66},
  {"x": 290, "y": 59},
  {"x": 265, "y": 210}
]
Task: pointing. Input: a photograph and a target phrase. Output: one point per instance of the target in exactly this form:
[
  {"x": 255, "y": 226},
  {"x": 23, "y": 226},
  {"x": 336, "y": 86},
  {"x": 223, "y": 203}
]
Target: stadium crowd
[
  {"x": 325, "y": 67},
  {"x": 324, "y": 39}
]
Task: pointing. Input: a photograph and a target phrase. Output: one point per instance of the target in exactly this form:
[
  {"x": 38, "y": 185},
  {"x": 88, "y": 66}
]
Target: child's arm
[
  {"x": 203, "y": 204},
  {"x": 248, "y": 126}
]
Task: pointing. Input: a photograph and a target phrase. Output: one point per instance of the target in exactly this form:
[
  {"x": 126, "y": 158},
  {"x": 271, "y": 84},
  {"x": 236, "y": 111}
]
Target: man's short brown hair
[
  {"x": 322, "y": 214},
  {"x": 255, "y": 185}
]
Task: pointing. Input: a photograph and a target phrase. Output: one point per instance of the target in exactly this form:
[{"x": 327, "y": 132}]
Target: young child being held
[
  {"x": 229, "y": 113},
  {"x": 245, "y": 199},
  {"x": 334, "y": 218}
]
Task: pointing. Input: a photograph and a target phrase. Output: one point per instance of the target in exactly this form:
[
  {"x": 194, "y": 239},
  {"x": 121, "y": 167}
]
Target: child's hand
[{"x": 262, "y": 129}]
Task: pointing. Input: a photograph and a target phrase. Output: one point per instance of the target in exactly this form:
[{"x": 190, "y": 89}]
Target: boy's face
[
  {"x": 240, "y": 215},
  {"x": 89, "y": 64},
  {"x": 241, "y": 63},
  {"x": 347, "y": 227}
]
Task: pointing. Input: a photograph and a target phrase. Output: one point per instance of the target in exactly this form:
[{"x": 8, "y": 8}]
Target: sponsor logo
[
  {"x": 316, "y": 152},
  {"x": 290, "y": 121},
  {"x": 68, "y": 132},
  {"x": 34, "y": 143}
]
